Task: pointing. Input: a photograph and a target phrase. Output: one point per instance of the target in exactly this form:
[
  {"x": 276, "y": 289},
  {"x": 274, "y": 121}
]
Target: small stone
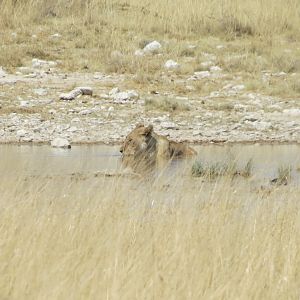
[
  {"x": 114, "y": 91},
  {"x": 111, "y": 108},
  {"x": 172, "y": 65},
  {"x": 126, "y": 96},
  {"x": 85, "y": 112},
  {"x": 152, "y": 47},
  {"x": 292, "y": 112},
  {"x": 60, "y": 143},
  {"x": 238, "y": 87},
  {"x": 168, "y": 125},
  {"x": 40, "y": 92},
  {"x": 200, "y": 75},
  {"x": 206, "y": 64},
  {"x": 70, "y": 96},
  {"x": 215, "y": 69},
  {"x": 21, "y": 133},
  {"x": 86, "y": 90},
  {"x": 2, "y": 73},
  {"x": 55, "y": 35},
  {"x": 139, "y": 52},
  {"x": 39, "y": 63},
  {"x": 24, "y": 103}
]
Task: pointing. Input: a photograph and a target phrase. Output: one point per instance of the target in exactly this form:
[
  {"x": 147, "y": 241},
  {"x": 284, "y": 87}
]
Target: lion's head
[{"x": 139, "y": 146}]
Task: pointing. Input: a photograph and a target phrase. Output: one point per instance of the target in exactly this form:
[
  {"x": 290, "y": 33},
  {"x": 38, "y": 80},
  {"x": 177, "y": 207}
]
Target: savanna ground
[{"x": 177, "y": 238}]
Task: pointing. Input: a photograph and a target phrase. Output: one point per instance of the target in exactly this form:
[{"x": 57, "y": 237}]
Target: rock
[
  {"x": 72, "y": 129},
  {"x": 60, "y": 143},
  {"x": 206, "y": 64},
  {"x": 39, "y": 63},
  {"x": 71, "y": 95},
  {"x": 139, "y": 52},
  {"x": 292, "y": 112},
  {"x": 21, "y": 133},
  {"x": 85, "y": 112},
  {"x": 238, "y": 88},
  {"x": 40, "y": 92},
  {"x": 215, "y": 69},
  {"x": 200, "y": 75},
  {"x": 123, "y": 97},
  {"x": 76, "y": 92},
  {"x": 86, "y": 90},
  {"x": 55, "y": 35},
  {"x": 24, "y": 103},
  {"x": 24, "y": 70},
  {"x": 114, "y": 91},
  {"x": 2, "y": 73},
  {"x": 152, "y": 47},
  {"x": 172, "y": 65},
  {"x": 111, "y": 108},
  {"x": 168, "y": 125}
]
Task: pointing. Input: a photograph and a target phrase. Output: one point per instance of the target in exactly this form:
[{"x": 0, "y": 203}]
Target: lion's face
[{"x": 139, "y": 146}]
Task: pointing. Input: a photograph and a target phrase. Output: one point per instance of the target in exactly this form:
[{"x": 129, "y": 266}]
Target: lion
[{"x": 143, "y": 149}]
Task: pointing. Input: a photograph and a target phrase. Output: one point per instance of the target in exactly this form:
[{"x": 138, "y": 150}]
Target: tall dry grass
[
  {"x": 167, "y": 17},
  {"x": 171, "y": 238}
]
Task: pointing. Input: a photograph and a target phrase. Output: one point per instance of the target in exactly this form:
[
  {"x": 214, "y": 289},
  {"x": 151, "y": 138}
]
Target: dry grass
[
  {"x": 91, "y": 30},
  {"x": 175, "y": 238}
]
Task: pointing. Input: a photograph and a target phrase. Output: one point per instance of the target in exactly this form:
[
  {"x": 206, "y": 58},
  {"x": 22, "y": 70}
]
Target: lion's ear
[{"x": 148, "y": 130}]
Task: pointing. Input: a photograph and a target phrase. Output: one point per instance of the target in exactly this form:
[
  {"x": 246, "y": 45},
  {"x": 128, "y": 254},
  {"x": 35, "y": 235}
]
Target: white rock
[
  {"x": 24, "y": 103},
  {"x": 139, "y": 52},
  {"x": 60, "y": 143},
  {"x": 34, "y": 36},
  {"x": 39, "y": 63},
  {"x": 292, "y": 112},
  {"x": 168, "y": 125},
  {"x": 111, "y": 108},
  {"x": 40, "y": 91},
  {"x": 172, "y": 65},
  {"x": 238, "y": 87},
  {"x": 85, "y": 90},
  {"x": 56, "y": 35},
  {"x": 52, "y": 111},
  {"x": 114, "y": 91},
  {"x": 127, "y": 96},
  {"x": 200, "y": 75},
  {"x": 71, "y": 95},
  {"x": 72, "y": 129},
  {"x": 206, "y": 64},
  {"x": 21, "y": 133},
  {"x": 25, "y": 70},
  {"x": 76, "y": 92},
  {"x": 220, "y": 47},
  {"x": 85, "y": 112},
  {"x": 215, "y": 69},
  {"x": 152, "y": 47},
  {"x": 14, "y": 34},
  {"x": 2, "y": 73}
]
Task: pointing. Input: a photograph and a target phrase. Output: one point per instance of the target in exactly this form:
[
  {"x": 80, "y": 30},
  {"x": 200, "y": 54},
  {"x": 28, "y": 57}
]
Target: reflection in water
[{"x": 42, "y": 160}]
